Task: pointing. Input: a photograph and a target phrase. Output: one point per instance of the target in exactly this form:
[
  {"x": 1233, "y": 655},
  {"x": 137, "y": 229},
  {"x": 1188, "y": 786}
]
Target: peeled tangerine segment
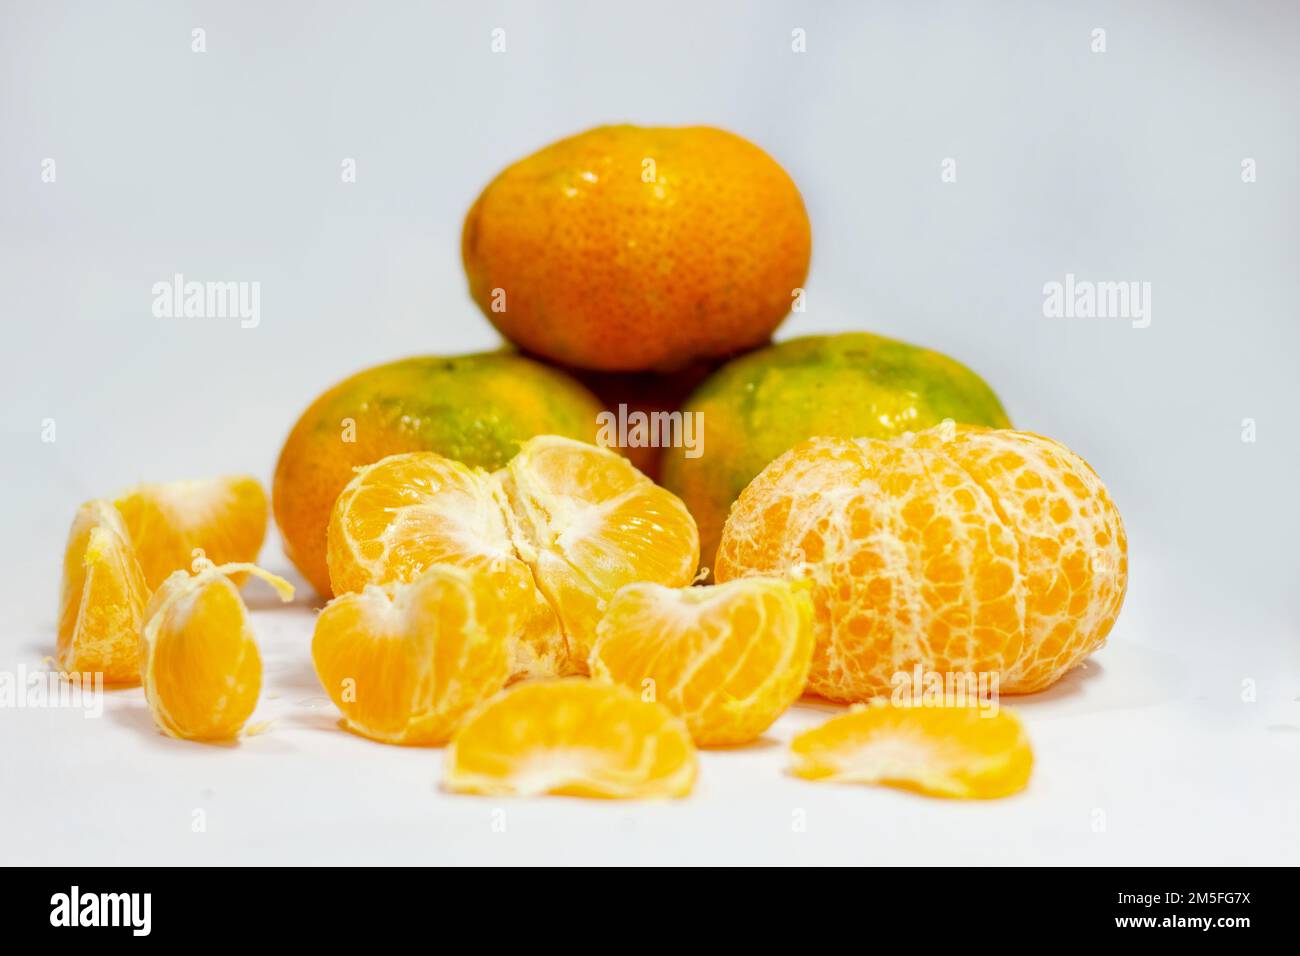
[
  {"x": 728, "y": 659},
  {"x": 572, "y": 737},
  {"x": 405, "y": 662},
  {"x": 226, "y": 517},
  {"x": 588, "y": 523},
  {"x": 580, "y": 520},
  {"x": 964, "y": 752},
  {"x": 408, "y": 512},
  {"x": 102, "y": 598},
  {"x": 202, "y": 670}
]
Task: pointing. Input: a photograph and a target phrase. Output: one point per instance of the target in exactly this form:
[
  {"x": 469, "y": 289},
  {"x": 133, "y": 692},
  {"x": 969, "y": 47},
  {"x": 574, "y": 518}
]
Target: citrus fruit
[
  {"x": 852, "y": 385},
  {"x": 102, "y": 598},
  {"x": 473, "y": 408},
  {"x": 408, "y": 512},
  {"x": 587, "y": 522},
  {"x": 202, "y": 670},
  {"x": 627, "y": 248},
  {"x": 958, "y": 549},
  {"x": 960, "y": 752},
  {"x": 571, "y": 737},
  {"x": 225, "y": 517},
  {"x": 728, "y": 659},
  {"x": 579, "y": 519},
  {"x": 405, "y": 662}
]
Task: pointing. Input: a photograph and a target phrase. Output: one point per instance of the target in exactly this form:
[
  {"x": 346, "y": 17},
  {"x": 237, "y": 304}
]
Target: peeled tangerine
[
  {"x": 578, "y": 521},
  {"x": 102, "y": 599},
  {"x": 226, "y": 517},
  {"x": 405, "y": 662},
  {"x": 942, "y": 751},
  {"x": 728, "y": 659},
  {"x": 572, "y": 737},
  {"x": 202, "y": 671},
  {"x": 956, "y": 549}
]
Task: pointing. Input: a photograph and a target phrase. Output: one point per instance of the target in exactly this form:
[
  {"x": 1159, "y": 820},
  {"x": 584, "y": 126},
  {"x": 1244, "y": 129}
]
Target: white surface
[
  {"x": 225, "y": 165},
  {"x": 1171, "y": 763}
]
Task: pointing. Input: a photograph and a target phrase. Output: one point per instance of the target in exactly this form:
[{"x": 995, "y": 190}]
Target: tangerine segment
[
  {"x": 405, "y": 513},
  {"x": 588, "y": 523},
  {"x": 728, "y": 659},
  {"x": 405, "y": 662},
  {"x": 957, "y": 752},
  {"x": 957, "y": 549},
  {"x": 226, "y": 517},
  {"x": 202, "y": 671},
  {"x": 102, "y": 598},
  {"x": 572, "y": 737}
]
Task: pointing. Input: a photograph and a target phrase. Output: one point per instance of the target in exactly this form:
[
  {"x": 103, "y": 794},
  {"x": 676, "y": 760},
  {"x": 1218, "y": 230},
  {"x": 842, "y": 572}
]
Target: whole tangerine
[{"x": 630, "y": 248}]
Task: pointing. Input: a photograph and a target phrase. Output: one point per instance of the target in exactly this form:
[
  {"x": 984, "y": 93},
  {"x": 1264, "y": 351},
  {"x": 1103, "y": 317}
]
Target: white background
[{"x": 226, "y": 166}]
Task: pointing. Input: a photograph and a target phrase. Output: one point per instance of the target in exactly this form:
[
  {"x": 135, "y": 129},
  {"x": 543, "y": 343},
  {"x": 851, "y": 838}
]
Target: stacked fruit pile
[{"x": 505, "y": 585}]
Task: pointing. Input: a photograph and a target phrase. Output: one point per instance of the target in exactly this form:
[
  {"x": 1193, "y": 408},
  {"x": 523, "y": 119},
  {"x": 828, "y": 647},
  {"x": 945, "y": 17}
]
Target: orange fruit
[
  {"x": 571, "y": 737},
  {"x": 226, "y": 517},
  {"x": 587, "y": 523},
  {"x": 102, "y": 598},
  {"x": 851, "y": 385},
  {"x": 959, "y": 752},
  {"x": 579, "y": 519},
  {"x": 202, "y": 670},
  {"x": 405, "y": 662},
  {"x": 957, "y": 549},
  {"x": 473, "y": 408},
  {"x": 406, "y": 513},
  {"x": 628, "y": 248},
  {"x": 727, "y": 659}
]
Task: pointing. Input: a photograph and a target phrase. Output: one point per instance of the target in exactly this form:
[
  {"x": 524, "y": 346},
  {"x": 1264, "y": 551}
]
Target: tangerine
[
  {"x": 958, "y": 549},
  {"x": 628, "y": 248}
]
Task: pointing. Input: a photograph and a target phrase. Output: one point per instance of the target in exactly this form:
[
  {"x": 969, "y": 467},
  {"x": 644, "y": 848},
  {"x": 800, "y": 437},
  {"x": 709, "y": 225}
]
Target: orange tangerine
[
  {"x": 627, "y": 248},
  {"x": 226, "y": 517},
  {"x": 572, "y": 737},
  {"x": 202, "y": 670},
  {"x": 102, "y": 598},
  {"x": 728, "y": 659},
  {"x": 959, "y": 549},
  {"x": 405, "y": 662},
  {"x": 941, "y": 751},
  {"x": 580, "y": 519}
]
